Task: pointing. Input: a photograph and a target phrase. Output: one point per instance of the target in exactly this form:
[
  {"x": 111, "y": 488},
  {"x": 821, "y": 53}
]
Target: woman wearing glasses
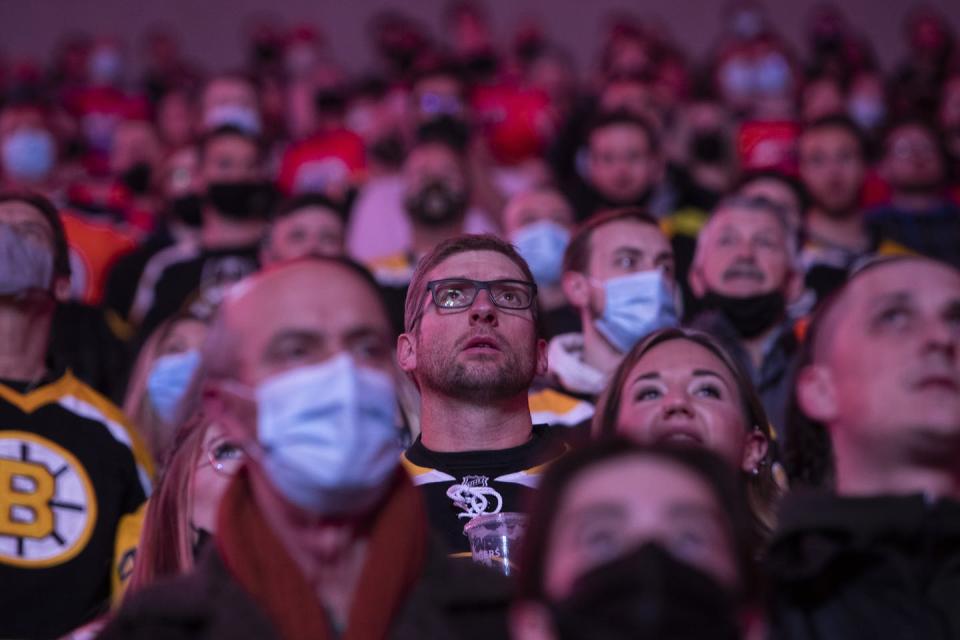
[{"x": 181, "y": 514}]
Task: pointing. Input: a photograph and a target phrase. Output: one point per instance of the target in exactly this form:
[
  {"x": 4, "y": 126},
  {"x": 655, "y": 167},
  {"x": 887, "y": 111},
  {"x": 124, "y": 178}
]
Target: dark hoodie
[{"x": 874, "y": 567}]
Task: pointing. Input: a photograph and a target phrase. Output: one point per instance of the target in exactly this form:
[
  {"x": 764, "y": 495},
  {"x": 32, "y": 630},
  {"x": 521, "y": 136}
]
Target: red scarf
[{"x": 395, "y": 556}]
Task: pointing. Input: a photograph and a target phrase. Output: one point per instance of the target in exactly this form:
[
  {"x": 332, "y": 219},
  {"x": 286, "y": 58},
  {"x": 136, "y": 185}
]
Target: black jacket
[
  {"x": 879, "y": 568},
  {"x": 453, "y": 599}
]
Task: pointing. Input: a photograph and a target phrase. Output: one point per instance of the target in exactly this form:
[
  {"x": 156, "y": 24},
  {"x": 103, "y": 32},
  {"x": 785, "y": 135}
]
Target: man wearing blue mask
[
  {"x": 321, "y": 534},
  {"x": 71, "y": 469},
  {"x": 745, "y": 272},
  {"x": 538, "y": 223},
  {"x": 618, "y": 273}
]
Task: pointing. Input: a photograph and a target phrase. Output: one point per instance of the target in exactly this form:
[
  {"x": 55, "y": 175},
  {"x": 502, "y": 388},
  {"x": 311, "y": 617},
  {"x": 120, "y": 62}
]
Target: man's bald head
[{"x": 297, "y": 314}]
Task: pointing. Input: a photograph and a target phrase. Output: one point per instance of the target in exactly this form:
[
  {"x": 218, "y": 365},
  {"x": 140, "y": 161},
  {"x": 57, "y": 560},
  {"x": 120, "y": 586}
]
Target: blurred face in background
[
  {"x": 312, "y": 230},
  {"x": 175, "y": 119},
  {"x": 28, "y": 150},
  {"x": 620, "y": 504},
  {"x": 622, "y": 164},
  {"x": 742, "y": 253},
  {"x": 832, "y": 169},
  {"x": 912, "y": 162}
]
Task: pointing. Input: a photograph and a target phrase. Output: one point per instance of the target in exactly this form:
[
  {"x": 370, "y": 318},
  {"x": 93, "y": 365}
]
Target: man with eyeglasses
[{"x": 471, "y": 346}]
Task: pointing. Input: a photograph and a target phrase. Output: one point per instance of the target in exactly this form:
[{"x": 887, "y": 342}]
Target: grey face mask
[{"x": 24, "y": 265}]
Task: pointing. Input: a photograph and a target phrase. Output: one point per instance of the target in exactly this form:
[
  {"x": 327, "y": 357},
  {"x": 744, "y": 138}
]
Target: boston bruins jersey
[
  {"x": 71, "y": 469},
  {"x": 458, "y": 486}
]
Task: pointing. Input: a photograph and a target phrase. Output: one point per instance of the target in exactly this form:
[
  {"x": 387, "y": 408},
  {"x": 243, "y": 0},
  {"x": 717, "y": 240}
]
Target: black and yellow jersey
[
  {"x": 458, "y": 486},
  {"x": 71, "y": 469}
]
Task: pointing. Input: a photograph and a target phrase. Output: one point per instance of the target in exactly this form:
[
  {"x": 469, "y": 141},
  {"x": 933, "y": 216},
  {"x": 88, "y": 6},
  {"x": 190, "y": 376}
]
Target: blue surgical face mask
[
  {"x": 636, "y": 305},
  {"x": 28, "y": 154},
  {"x": 542, "y": 245},
  {"x": 328, "y": 435},
  {"x": 25, "y": 265},
  {"x": 168, "y": 382}
]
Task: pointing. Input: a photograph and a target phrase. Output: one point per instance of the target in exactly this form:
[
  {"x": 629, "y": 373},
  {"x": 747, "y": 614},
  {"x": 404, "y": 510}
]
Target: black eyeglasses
[{"x": 459, "y": 293}]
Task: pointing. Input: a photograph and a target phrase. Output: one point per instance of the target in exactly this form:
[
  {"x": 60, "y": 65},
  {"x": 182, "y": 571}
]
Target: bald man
[
  {"x": 321, "y": 529},
  {"x": 879, "y": 556}
]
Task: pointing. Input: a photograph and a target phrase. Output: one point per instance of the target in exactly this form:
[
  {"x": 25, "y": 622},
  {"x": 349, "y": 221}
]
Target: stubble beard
[{"x": 478, "y": 380}]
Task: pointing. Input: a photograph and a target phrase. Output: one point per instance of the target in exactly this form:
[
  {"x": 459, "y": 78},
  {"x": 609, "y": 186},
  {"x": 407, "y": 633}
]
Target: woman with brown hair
[
  {"x": 680, "y": 386},
  {"x": 181, "y": 513}
]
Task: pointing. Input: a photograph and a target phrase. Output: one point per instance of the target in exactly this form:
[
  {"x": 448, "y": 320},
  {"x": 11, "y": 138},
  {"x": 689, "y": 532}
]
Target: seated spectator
[
  {"x": 160, "y": 377},
  {"x": 306, "y": 225},
  {"x": 679, "y": 386},
  {"x": 435, "y": 193},
  {"x": 73, "y": 468},
  {"x": 623, "y": 164},
  {"x": 744, "y": 274},
  {"x": 874, "y": 554},
  {"x": 618, "y": 275},
  {"x": 178, "y": 223},
  {"x": 627, "y": 541},
  {"x": 919, "y": 217},
  {"x": 236, "y": 205},
  {"x": 29, "y": 152},
  {"x": 341, "y": 535},
  {"x": 471, "y": 347},
  {"x": 181, "y": 515},
  {"x": 382, "y": 225},
  {"x": 538, "y": 224},
  {"x": 833, "y": 167}
]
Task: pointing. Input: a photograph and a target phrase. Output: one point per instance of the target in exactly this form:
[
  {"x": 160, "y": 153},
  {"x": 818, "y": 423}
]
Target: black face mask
[
  {"x": 751, "y": 315},
  {"x": 709, "y": 147},
  {"x": 388, "y": 150},
  {"x": 187, "y": 209},
  {"x": 245, "y": 200},
  {"x": 436, "y": 204},
  {"x": 646, "y": 594},
  {"x": 137, "y": 178}
]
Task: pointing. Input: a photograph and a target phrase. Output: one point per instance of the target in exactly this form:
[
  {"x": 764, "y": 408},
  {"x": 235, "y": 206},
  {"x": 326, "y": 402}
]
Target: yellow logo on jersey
[{"x": 47, "y": 505}]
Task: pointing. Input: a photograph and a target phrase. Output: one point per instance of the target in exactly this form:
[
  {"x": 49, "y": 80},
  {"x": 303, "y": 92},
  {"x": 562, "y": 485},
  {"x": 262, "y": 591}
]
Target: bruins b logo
[{"x": 47, "y": 505}]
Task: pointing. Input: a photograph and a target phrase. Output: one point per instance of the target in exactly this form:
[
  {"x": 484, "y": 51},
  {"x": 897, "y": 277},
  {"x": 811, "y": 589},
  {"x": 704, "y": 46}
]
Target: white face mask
[
  {"x": 328, "y": 435},
  {"x": 234, "y": 115}
]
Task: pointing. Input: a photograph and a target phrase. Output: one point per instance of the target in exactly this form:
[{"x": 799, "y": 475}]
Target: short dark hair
[
  {"x": 226, "y": 131},
  {"x": 619, "y": 117},
  {"x": 577, "y": 255},
  {"x": 562, "y": 473},
  {"x": 445, "y": 130},
  {"x": 61, "y": 251},
  {"x": 413, "y": 307},
  {"x": 304, "y": 200},
  {"x": 791, "y": 182},
  {"x": 844, "y": 123}
]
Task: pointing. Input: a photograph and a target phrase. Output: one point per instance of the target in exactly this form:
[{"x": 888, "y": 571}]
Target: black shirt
[
  {"x": 458, "y": 486},
  {"x": 70, "y": 471},
  {"x": 212, "y": 267}
]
